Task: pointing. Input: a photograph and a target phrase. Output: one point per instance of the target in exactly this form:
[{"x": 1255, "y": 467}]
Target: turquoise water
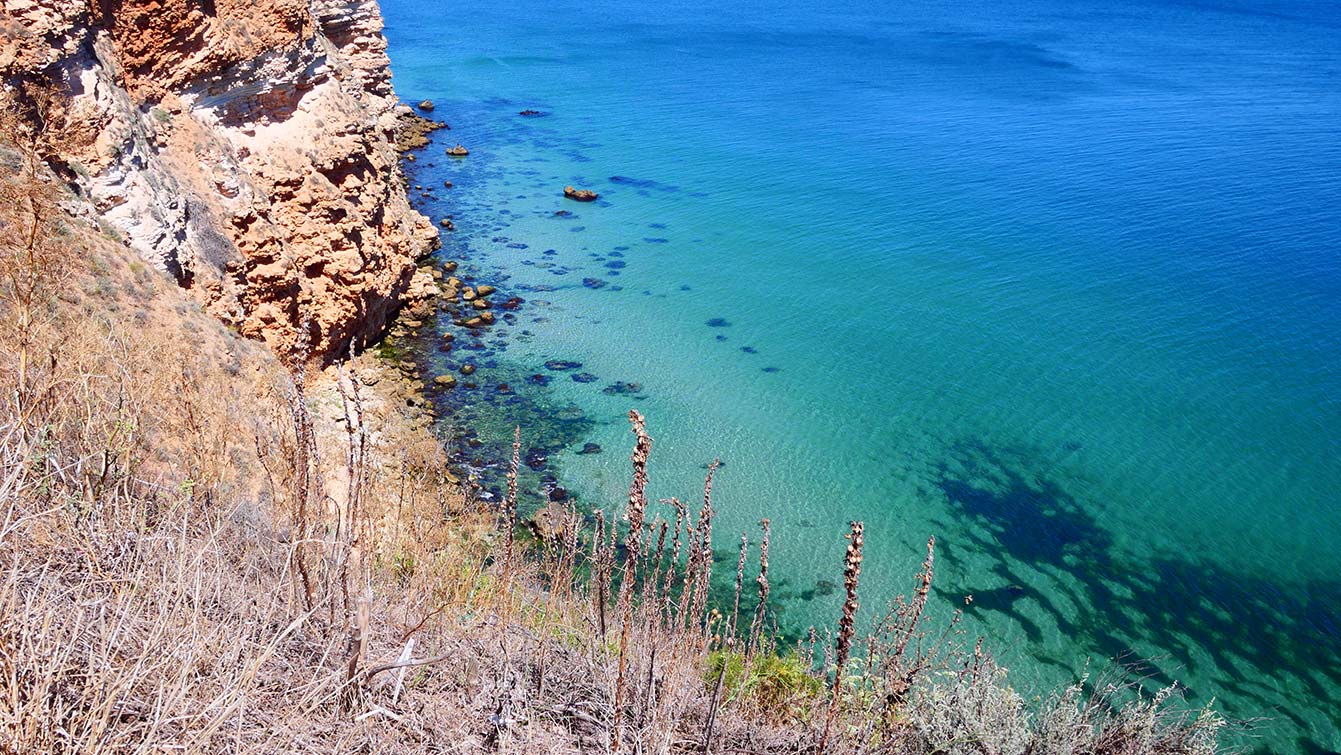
[{"x": 1055, "y": 282}]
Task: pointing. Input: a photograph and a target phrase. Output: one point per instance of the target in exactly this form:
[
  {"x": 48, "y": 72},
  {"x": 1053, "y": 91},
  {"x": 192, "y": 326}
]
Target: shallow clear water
[{"x": 1055, "y": 282}]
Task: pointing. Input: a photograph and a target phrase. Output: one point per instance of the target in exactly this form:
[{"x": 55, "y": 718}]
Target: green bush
[{"x": 782, "y": 683}]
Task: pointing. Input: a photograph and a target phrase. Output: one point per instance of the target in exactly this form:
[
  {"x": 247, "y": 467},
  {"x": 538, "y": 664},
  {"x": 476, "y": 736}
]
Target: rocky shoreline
[{"x": 446, "y": 353}]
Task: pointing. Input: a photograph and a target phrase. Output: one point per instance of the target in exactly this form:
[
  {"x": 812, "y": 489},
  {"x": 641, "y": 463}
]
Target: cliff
[{"x": 247, "y": 147}]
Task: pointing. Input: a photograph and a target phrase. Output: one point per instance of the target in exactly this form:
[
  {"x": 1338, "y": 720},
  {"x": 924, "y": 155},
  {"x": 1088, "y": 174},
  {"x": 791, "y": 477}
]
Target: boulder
[
  {"x": 458, "y": 151},
  {"x": 426, "y": 106},
  {"x": 581, "y": 195},
  {"x": 467, "y": 369},
  {"x": 445, "y": 381},
  {"x": 551, "y": 522},
  {"x": 485, "y": 290},
  {"x": 529, "y": 113}
]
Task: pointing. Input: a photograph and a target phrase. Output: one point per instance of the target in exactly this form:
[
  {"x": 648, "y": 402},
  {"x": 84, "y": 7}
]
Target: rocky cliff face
[{"x": 244, "y": 146}]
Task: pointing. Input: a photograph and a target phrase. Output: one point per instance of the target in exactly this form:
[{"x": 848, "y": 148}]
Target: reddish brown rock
[
  {"x": 247, "y": 147},
  {"x": 581, "y": 195}
]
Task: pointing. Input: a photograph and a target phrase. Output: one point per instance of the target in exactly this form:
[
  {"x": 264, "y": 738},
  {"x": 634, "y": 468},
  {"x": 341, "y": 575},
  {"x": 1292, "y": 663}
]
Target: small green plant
[{"x": 777, "y": 682}]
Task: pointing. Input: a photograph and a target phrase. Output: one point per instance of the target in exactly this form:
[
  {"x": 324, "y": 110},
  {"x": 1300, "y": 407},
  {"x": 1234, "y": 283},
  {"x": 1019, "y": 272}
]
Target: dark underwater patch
[{"x": 1023, "y": 521}]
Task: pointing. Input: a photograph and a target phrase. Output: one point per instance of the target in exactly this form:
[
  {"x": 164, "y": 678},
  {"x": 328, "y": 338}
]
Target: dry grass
[{"x": 201, "y": 551}]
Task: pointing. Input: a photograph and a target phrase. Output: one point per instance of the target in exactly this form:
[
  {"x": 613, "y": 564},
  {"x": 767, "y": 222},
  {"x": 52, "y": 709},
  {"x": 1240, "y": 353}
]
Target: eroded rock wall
[{"x": 244, "y": 146}]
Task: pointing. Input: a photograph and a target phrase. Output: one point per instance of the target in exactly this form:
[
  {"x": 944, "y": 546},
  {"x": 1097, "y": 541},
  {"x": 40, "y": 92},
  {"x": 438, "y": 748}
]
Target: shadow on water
[{"x": 1243, "y": 637}]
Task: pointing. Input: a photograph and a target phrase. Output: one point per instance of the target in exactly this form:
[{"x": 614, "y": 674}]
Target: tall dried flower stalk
[
  {"x": 846, "y": 624},
  {"x": 637, "y": 513},
  {"x": 599, "y": 576},
  {"x": 673, "y": 569},
  {"x": 701, "y": 561},
  {"x": 740, "y": 581},
  {"x": 919, "y": 597},
  {"x": 510, "y": 511},
  {"x": 756, "y": 626},
  {"x": 650, "y": 596}
]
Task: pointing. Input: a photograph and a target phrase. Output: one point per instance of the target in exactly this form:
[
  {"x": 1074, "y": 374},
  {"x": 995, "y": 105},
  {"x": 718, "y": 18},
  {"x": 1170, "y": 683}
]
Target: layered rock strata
[{"x": 246, "y": 147}]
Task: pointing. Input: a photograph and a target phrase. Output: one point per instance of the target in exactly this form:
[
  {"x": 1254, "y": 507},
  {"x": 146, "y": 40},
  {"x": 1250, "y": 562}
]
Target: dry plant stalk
[
  {"x": 636, "y": 513},
  {"x": 846, "y": 624},
  {"x": 694, "y": 599},
  {"x": 510, "y": 513},
  {"x": 757, "y": 625},
  {"x": 740, "y": 582}
]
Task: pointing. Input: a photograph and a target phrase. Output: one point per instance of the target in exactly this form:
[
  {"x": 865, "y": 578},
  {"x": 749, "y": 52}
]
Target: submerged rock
[
  {"x": 622, "y": 389},
  {"x": 559, "y": 365},
  {"x": 584, "y": 377},
  {"x": 536, "y": 459},
  {"x": 590, "y": 448},
  {"x": 529, "y": 113}
]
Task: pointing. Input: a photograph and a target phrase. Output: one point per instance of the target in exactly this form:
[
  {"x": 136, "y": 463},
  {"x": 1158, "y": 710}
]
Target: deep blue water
[{"x": 1058, "y": 282}]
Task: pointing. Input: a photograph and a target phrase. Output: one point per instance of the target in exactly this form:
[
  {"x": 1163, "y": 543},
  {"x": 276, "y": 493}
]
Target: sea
[{"x": 1057, "y": 282}]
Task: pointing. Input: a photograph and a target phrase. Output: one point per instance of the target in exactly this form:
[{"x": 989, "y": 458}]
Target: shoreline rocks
[{"x": 412, "y": 130}]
